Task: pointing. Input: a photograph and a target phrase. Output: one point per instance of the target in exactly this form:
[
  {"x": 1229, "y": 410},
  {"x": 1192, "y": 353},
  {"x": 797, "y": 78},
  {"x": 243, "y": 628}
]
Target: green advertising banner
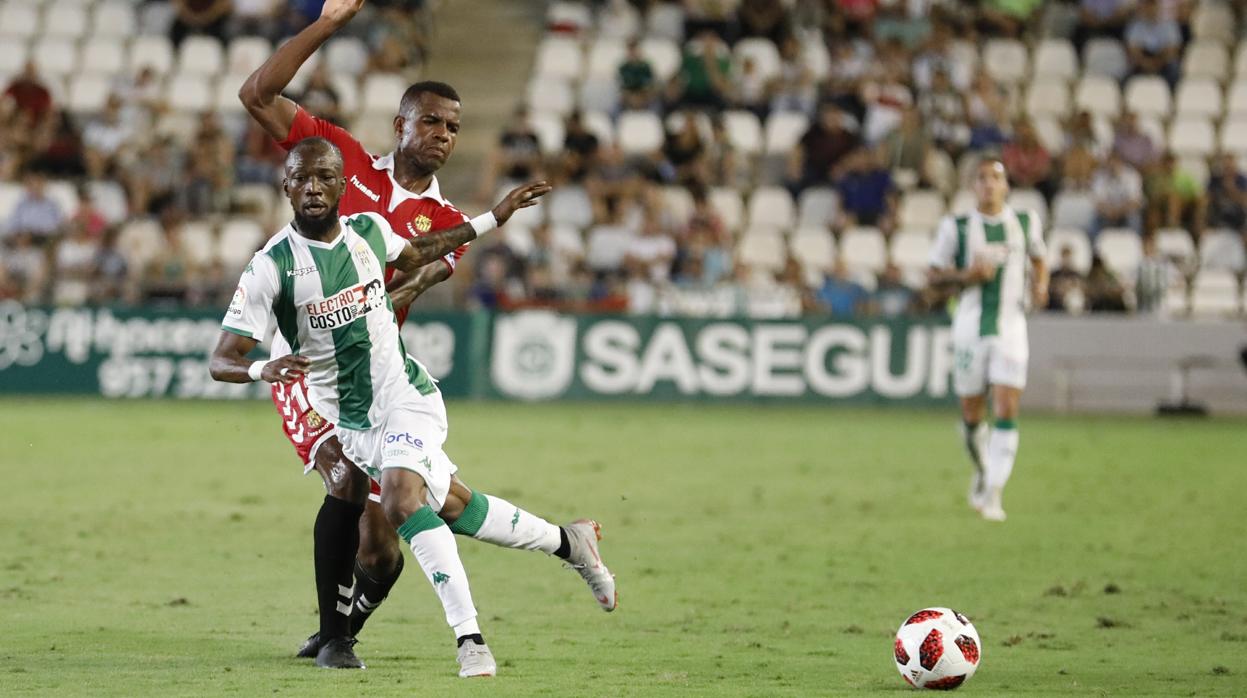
[{"x": 532, "y": 355}]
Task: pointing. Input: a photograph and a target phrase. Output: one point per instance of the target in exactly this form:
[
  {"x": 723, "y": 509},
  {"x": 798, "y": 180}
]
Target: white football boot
[
  {"x": 583, "y": 535},
  {"x": 992, "y": 509},
  {"x": 476, "y": 660}
]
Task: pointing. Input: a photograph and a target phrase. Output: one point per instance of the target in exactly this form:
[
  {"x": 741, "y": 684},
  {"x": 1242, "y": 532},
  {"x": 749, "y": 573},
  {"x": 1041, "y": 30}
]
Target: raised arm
[
  {"x": 261, "y": 93},
  {"x": 229, "y": 363}
]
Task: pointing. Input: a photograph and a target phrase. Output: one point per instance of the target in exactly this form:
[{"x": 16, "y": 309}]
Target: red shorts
[{"x": 304, "y": 426}]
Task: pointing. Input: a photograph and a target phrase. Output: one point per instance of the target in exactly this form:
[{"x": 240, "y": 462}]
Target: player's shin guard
[
  {"x": 370, "y": 591},
  {"x": 500, "y": 522},
  {"x": 438, "y": 555},
  {"x": 1002, "y": 448},
  {"x": 335, "y": 542}
]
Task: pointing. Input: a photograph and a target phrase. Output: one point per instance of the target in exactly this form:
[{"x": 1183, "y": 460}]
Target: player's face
[
  {"x": 428, "y": 131},
  {"x": 314, "y": 183},
  {"x": 991, "y": 186}
]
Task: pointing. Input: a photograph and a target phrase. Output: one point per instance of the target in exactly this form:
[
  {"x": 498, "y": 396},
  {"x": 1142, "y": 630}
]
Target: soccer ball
[{"x": 937, "y": 648}]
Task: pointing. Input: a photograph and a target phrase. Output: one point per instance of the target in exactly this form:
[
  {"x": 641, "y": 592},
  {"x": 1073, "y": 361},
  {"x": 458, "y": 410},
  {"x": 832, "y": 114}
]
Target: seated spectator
[
  {"x": 1008, "y": 18},
  {"x": 714, "y": 16},
  {"x": 793, "y": 88},
  {"x": 200, "y": 17},
  {"x": 751, "y": 89},
  {"x": 398, "y": 38},
  {"x": 987, "y": 109},
  {"x": 320, "y": 98},
  {"x": 1154, "y": 43},
  {"x": 142, "y": 99},
  {"x": 1104, "y": 292},
  {"x": 943, "y": 111},
  {"x": 1175, "y": 199},
  {"x": 57, "y": 147},
  {"x": 1133, "y": 144},
  {"x": 937, "y": 57},
  {"x": 653, "y": 251},
  {"x": 74, "y": 266},
  {"x": 892, "y": 298},
  {"x": 106, "y": 139},
  {"x": 1026, "y": 159},
  {"x": 255, "y": 18},
  {"x": 25, "y": 269},
  {"x": 1078, "y": 168},
  {"x": 851, "y": 62},
  {"x": 210, "y": 171},
  {"x": 260, "y": 160},
  {"x": 1080, "y": 131},
  {"x": 908, "y": 147},
  {"x": 580, "y": 148},
  {"x": 854, "y": 17},
  {"x": 703, "y": 80},
  {"x": 153, "y": 186},
  {"x": 723, "y": 164},
  {"x": 840, "y": 295},
  {"x": 709, "y": 241},
  {"x": 823, "y": 146},
  {"x": 88, "y": 216},
  {"x": 867, "y": 195},
  {"x": 1118, "y": 193},
  {"x": 764, "y": 19},
  {"x": 1227, "y": 195},
  {"x": 636, "y": 79},
  {"x": 112, "y": 280},
  {"x": 1156, "y": 273},
  {"x": 684, "y": 152},
  {"x": 1065, "y": 284},
  {"x": 29, "y": 94},
  {"x": 171, "y": 274},
  {"x": 517, "y": 158},
  {"x": 36, "y": 215},
  {"x": 886, "y": 100},
  {"x": 1101, "y": 18}
]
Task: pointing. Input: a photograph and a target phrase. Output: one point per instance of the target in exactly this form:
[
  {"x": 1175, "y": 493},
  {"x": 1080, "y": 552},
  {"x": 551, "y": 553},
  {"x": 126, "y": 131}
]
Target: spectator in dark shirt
[
  {"x": 1066, "y": 284},
  {"x": 763, "y": 18},
  {"x": 1104, "y": 291},
  {"x": 1154, "y": 43},
  {"x": 580, "y": 148},
  {"x": 823, "y": 146},
  {"x": 636, "y": 79},
  {"x": 517, "y": 157},
  {"x": 867, "y": 194},
  {"x": 703, "y": 80},
  {"x": 29, "y": 94},
  {"x": 1227, "y": 195},
  {"x": 199, "y": 17}
]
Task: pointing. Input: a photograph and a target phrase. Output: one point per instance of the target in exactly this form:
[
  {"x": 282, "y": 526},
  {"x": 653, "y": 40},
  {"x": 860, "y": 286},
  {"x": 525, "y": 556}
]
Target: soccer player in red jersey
[{"x": 400, "y": 186}]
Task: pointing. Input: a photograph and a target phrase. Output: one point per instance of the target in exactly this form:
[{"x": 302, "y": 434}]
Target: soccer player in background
[
  {"x": 402, "y": 187},
  {"x": 994, "y": 254},
  {"x": 313, "y": 282}
]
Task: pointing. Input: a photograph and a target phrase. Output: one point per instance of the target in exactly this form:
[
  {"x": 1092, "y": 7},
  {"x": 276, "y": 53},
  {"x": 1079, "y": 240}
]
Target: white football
[{"x": 937, "y": 648}]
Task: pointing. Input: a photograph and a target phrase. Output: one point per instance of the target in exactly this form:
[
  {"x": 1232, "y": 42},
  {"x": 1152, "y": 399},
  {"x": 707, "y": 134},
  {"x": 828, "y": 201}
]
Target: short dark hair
[
  {"x": 413, "y": 93},
  {"x": 318, "y": 143}
]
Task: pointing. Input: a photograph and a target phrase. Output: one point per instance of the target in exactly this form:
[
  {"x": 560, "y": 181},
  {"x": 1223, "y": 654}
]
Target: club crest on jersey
[
  {"x": 422, "y": 222},
  {"x": 364, "y": 255},
  {"x": 238, "y": 302},
  {"x": 345, "y": 306},
  {"x": 313, "y": 419}
]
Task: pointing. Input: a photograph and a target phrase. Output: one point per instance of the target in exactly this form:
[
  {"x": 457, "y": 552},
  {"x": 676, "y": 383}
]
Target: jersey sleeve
[
  {"x": 449, "y": 217},
  {"x": 1035, "y": 246},
  {"x": 944, "y": 250},
  {"x": 251, "y": 311},
  {"x": 394, "y": 243},
  {"x": 307, "y": 126}
]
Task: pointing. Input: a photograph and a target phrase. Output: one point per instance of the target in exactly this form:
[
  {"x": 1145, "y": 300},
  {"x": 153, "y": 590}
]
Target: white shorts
[
  {"x": 985, "y": 361},
  {"x": 411, "y": 438}
]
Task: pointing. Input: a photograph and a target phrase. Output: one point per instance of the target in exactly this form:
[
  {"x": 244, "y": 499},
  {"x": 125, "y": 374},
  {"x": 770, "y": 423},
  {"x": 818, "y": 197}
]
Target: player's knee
[
  {"x": 379, "y": 552},
  {"x": 456, "y": 501},
  {"x": 401, "y": 496}
]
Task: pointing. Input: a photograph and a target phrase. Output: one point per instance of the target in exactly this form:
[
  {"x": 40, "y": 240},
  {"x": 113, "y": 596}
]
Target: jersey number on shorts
[{"x": 288, "y": 410}]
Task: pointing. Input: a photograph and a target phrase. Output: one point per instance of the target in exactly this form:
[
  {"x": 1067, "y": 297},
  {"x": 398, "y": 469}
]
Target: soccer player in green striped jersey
[
  {"x": 321, "y": 283},
  {"x": 995, "y": 254}
]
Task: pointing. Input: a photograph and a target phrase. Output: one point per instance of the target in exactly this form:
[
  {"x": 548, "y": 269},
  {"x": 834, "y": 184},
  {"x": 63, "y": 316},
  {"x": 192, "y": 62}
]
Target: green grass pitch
[{"x": 164, "y": 549}]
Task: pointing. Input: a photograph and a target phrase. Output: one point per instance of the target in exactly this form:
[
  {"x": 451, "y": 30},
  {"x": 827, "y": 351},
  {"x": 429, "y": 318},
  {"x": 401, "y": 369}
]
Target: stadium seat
[
  {"x": 1199, "y": 96},
  {"x": 190, "y": 94},
  {"x": 814, "y": 248},
  {"x": 155, "y": 52},
  {"x": 13, "y": 53},
  {"x": 64, "y": 195},
  {"x": 605, "y": 55},
  {"x": 1098, "y": 94},
  {"x": 763, "y": 53},
  {"x": 1006, "y": 60},
  {"x": 1048, "y": 96},
  {"x": 109, "y": 197},
  {"x": 19, "y": 20},
  {"x": 1105, "y": 57},
  {"x": 1121, "y": 250},
  {"x": 1222, "y": 249},
  {"x": 10, "y": 194},
  {"x": 762, "y": 248},
  {"x": 519, "y": 240},
  {"x": 599, "y": 94},
  {"x": 639, "y": 132},
  {"x": 156, "y": 18},
  {"x": 225, "y": 97},
  {"x": 815, "y": 57},
  {"x": 771, "y": 207},
  {"x": 863, "y": 249},
  {"x": 567, "y": 239},
  {"x": 201, "y": 55},
  {"x": 1076, "y": 240},
  {"x": 910, "y": 249},
  {"x": 744, "y": 131},
  {"x": 139, "y": 240},
  {"x": 1240, "y": 59},
  {"x": 104, "y": 55},
  {"x": 784, "y": 130},
  {"x": 1029, "y": 200},
  {"x": 558, "y": 57},
  {"x": 619, "y": 20},
  {"x": 1215, "y": 293},
  {"x": 114, "y": 18},
  {"x": 1148, "y": 95},
  {"x": 1213, "y": 21},
  {"x": 1050, "y": 131},
  {"x": 88, "y": 92},
  {"x": 963, "y": 202},
  {"x": 1055, "y": 58},
  {"x": 382, "y": 92},
  {"x": 347, "y": 54},
  {"x": 246, "y": 53},
  {"x": 570, "y": 205},
  {"x": 818, "y": 207},
  {"x": 551, "y": 95},
  {"x": 1206, "y": 59},
  {"x": 1073, "y": 210},
  {"x": 678, "y": 202},
  {"x": 666, "y": 21},
  {"x": 663, "y": 56},
  {"x": 599, "y": 124},
  {"x": 239, "y": 239},
  {"x": 1236, "y": 99},
  {"x": 1176, "y": 301},
  {"x": 569, "y": 17},
  {"x": 254, "y": 200},
  {"x": 549, "y": 129},
  {"x": 178, "y": 125},
  {"x": 1192, "y": 136},
  {"x": 67, "y": 19},
  {"x": 1197, "y": 167},
  {"x": 606, "y": 247},
  {"x": 55, "y": 57},
  {"x": 920, "y": 208},
  {"x": 199, "y": 241},
  {"x": 1177, "y": 244},
  {"x": 726, "y": 202}
]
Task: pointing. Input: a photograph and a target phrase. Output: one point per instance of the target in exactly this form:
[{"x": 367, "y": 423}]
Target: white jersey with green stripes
[
  {"x": 328, "y": 302},
  {"x": 997, "y": 307}
]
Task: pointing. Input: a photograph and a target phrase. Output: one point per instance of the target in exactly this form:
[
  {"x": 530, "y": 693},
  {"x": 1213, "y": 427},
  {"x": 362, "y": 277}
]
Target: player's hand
[
  {"x": 340, "y": 11},
  {"x": 981, "y": 271},
  {"x": 1039, "y": 297},
  {"x": 520, "y": 197},
  {"x": 287, "y": 369}
]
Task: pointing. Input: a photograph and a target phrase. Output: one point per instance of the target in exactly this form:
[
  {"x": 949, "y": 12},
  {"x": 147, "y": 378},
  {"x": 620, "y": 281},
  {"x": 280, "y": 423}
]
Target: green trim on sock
[
  {"x": 423, "y": 520},
  {"x": 1006, "y": 424},
  {"x": 473, "y": 516}
]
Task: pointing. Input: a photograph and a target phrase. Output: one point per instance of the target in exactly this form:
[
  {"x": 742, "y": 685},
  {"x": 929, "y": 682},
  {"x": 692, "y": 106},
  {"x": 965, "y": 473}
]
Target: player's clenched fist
[
  {"x": 340, "y": 11},
  {"x": 520, "y": 197},
  {"x": 286, "y": 369}
]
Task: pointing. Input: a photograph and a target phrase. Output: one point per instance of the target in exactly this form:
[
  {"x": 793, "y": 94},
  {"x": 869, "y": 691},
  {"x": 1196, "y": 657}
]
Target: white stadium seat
[
  {"x": 1029, "y": 200},
  {"x": 920, "y": 208},
  {"x": 605, "y": 55},
  {"x": 1048, "y": 96},
  {"x": 1177, "y": 244},
  {"x": 199, "y": 240},
  {"x": 558, "y": 57},
  {"x": 1076, "y": 240},
  {"x": 570, "y": 205},
  {"x": 88, "y": 92},
  {"x": 1105, "y": 57},
  {"x": 189, "y": 93},
  {"x": 784, "y": 130},
  {"x": 1121, "y": 250},
  {"x": 10, "y": 194},
  {"x": 239, "y": 239},
  {"x": 1006, "y": 60},
  {"x": 68, "y": 20},
  {"x": 910, "y": 249},
  {"x": 114, "y": 18},
  {"x": 606, "y": 247},
  {"x": 1098, "y": 94},
  {"x": 1215, "y": 293},
  {"x": 139, "y": 240},
  {"x": 1055, "y": 58},
  {"x": 569, "y": 15},
  {"x": 744, "y": 131},
  {"x": 1192, "y": 136},
  {"x": 64, "y": 194},
  {"x": 104, "y": 54},
  {"x": 156, "y": 18},
  {"x": 225, "y": 98},
  {"x": 597, "y": 93},
  {"x": 771, "y": 207},
  {"x": 1148, "y": 95},
  {"x": 549, "y": 129},
  {"x": 155, "y": 52},
  {"x": 639, "y": 132},
  {"x": 347, "y": 54},
  {"x": 1199, "y": 97},
  {"x": 1208, "y": 59},
  {"x": 1234, "y": 135},
  {"x": 599, "y": 124},
  {"x": 814, "y": 248},
  {"x": 863, "y": 249},
  {"x": 201, "y": 55},
  {"x": 1222, "y": 249},
  {"x": 762, "y": 248},
  {"x": 1073, "y": 210},
  {"x": 1240, "y": 59},
  {"x": 110, "y": 199},
  {"x": 19, "y": 19},
  {"x": 246, "y": 53},
  {"x": 665, "y": 20},
  {"x": 815, "y": 57},
  {"x": 726, "y": 202},
  {"x": 382, "y": 92},
  {"x": 550, "y": 94},
  {"x": 1213, "y": 21},
  {"x": 56, "y": 57},
  {"x": 13, "y": 54},
  {"x": 818, "y": 207},
  {"x": 1176, "y": 301},
  {"x": 763, "y": 53},
  {"x": 663, "y": 56},
  {"x": 678, "y": 202},
  {"x": 964, "y": 201}
]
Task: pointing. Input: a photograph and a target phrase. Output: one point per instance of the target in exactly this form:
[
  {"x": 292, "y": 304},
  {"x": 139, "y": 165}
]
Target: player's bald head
[{"x": 315, "y": 151}]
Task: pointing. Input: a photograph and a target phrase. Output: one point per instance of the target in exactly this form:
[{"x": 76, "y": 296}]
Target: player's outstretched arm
[
  {"x": 261, "y": 93},
  {"x": 1039, "y": 301},
  {"x": 427, "y": 248},
  {"x": 404, "y": 289},
  {"x": 229, "y": 363}
]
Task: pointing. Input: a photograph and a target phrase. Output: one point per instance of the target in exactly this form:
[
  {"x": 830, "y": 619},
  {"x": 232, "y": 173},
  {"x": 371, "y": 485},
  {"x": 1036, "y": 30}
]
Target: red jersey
[{"x": 370, "y": 186}]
